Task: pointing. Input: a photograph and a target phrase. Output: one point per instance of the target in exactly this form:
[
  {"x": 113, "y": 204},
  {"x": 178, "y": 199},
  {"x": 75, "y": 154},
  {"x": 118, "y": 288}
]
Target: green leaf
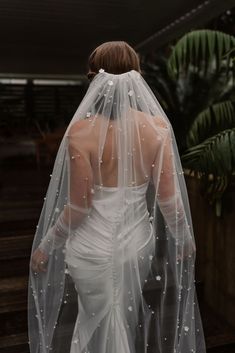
[
  {"x": 200, "y": 49},
  {"x": 217, "y": 117},
  {"x": 214, "y": 162},
  {"x": 215, "y": 155}
]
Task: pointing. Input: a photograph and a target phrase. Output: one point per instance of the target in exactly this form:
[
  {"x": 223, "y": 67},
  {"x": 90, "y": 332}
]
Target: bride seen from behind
[{"x": 116, "y": 219}]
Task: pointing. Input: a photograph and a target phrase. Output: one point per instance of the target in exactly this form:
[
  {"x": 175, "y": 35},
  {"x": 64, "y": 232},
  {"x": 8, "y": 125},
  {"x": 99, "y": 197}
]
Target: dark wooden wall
[
  {"x": 215, "y": 240},
  {"x": 25, "y": 109}
]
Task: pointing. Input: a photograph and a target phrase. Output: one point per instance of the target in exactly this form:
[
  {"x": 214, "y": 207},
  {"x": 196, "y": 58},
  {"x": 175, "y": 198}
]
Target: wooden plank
[
  {"x": 15, "y": 246},
  {"x": 14, "y": 340}
]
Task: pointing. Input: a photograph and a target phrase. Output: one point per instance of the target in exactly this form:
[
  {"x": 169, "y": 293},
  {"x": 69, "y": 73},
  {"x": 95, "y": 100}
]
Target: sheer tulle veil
[{"x": 127, "y": 285}]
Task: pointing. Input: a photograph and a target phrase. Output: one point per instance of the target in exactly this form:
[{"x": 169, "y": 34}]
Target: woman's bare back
[{"x": 141, "y": 151}]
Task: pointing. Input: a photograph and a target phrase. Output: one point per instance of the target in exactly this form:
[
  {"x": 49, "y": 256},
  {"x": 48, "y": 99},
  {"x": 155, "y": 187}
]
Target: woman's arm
[
  {"x": 80, "y": 191},
  {"x": 169, "y": 197}
]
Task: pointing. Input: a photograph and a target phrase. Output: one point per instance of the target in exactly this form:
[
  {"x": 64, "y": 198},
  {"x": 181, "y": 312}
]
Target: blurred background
[{"x": 187, "y": 51}]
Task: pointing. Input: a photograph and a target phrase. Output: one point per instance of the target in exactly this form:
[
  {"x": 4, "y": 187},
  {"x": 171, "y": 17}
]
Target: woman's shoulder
[
  {"x": 157, "y": 121},
  {"x": 77, "y": 126}
]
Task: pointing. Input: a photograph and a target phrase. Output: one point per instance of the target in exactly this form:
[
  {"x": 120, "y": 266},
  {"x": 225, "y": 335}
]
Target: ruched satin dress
[{"x": 102, "y": 255}]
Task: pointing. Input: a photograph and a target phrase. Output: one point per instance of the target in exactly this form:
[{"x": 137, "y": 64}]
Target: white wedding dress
[{"x": 96, "y": 256}]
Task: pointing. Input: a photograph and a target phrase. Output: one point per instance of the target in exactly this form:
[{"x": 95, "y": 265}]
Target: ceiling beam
[
  {"x": 197, "y": 16},
  {"x": 32, "y": 76}
]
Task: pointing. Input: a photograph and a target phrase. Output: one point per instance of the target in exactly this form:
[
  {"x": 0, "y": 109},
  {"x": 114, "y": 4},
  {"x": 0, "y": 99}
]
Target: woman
[{"x": 116, "y": 220}]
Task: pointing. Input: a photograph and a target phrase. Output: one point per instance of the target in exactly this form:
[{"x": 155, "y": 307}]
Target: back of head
[{"x": 115, "y": 57}]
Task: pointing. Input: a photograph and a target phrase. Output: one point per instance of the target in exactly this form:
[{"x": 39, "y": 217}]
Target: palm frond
[
  {"x": 216, "y": 155},
  {"x": 217, "y": 117},
  {"x": 198, "y": 49}
]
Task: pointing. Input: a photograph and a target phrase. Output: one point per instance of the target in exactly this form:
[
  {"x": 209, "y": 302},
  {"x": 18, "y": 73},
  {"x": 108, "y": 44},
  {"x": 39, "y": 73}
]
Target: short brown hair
[{"x": 114, "y": 57}]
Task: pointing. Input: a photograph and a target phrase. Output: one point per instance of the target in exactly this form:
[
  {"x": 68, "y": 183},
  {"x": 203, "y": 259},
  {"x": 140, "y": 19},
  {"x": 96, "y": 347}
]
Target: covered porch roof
[{"x": 55, "y": 37}]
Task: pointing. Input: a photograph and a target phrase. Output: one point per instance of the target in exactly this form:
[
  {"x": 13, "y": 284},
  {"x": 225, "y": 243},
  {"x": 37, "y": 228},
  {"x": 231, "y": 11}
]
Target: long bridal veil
[{"x": 127, "y": 285}]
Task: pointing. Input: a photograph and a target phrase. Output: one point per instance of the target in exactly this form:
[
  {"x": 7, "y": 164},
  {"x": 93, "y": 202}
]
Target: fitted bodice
[
  {"x": 118, "y": 219},
  {"x": 114, "y": 204}
]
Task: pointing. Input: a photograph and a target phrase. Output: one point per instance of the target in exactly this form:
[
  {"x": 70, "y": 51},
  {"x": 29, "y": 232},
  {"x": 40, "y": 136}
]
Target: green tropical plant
[
  {"x": 203, "y": 50},
  {"x": 213, "y": 160},
  {"x": 210, "y": 121},
  {"x": 200, "y": 70},
  {"x": 211, "y": 136}
]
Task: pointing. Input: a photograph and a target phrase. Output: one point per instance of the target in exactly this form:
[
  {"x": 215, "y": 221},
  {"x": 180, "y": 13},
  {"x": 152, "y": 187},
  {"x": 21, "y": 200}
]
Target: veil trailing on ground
[{"x": 116, "y": 231}]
